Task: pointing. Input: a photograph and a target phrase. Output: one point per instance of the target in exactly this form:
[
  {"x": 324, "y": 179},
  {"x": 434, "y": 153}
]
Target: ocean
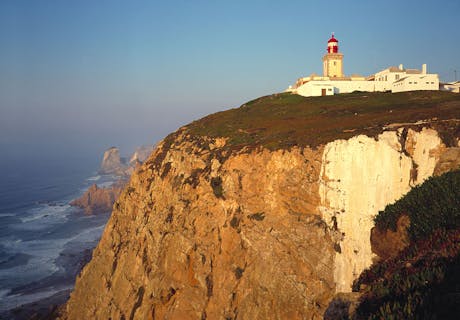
[{"x": 44, "y": 242}]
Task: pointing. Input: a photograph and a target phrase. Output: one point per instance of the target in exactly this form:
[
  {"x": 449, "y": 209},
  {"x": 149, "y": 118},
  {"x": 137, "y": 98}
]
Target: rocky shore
[
  {"x": 101, "y": 199},
  {"x": 97, "y": 200}
]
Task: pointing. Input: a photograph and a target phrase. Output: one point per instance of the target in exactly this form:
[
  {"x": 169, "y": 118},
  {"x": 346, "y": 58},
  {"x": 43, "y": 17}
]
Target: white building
[
  {"x": 452, "y": 86},
  {"x": 399, "y": 79},
  {"x": 333, "y": 81}
]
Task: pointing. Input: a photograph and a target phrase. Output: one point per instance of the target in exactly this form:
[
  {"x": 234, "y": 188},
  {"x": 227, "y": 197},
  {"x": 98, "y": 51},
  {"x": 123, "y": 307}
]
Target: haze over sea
[{"x": 44, "y": 241}]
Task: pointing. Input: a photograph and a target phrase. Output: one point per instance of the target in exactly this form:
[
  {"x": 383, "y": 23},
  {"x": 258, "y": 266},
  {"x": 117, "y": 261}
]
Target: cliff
[
  {"x": 265, "y": 211},
  {"x": 112, "y": 163},
  {"x": 140, "y": 155},
  {"x": 99, "y": 200}
]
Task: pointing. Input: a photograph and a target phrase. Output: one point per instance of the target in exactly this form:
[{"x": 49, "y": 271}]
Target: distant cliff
[
  {"x": 112, "y": 163},
  {"x": 265, "y": 211},
  {"x": 101, "y": 199}
]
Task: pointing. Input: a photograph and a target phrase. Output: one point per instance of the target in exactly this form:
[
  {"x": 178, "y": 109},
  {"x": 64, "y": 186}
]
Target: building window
[
  {"x": 335, "y": 63},
  {"x": 397, "y": 77},
  {"x": 329, "y": 89},
  {"x": 415, "y": 82},
  {"x": 410, "y": 82},
  {"x": 386, "y": 79},
  {"x": 427, "y": 83}
]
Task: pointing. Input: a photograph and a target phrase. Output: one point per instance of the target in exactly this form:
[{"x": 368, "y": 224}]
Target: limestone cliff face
[
  {"x": 206, "y": 232},
  {"x": 359, "y": 177}
]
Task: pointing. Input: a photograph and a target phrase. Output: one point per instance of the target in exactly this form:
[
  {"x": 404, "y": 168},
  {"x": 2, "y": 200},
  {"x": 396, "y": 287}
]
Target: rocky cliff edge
[{"x": 255, "y": 221}]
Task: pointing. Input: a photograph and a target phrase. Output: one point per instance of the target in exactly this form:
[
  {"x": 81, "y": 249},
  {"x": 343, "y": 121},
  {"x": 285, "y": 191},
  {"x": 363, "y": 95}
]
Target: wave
[
  {"x": 42, "y": 254},
  {"x": 9, "y": 302},
  {"x": 89, "y": 234},
  {"x": 51, "y": 235},
  {"x": 7, "y": 214},
  {"x": 95, "y": 178},
  {"x": 105, "y": 184},
  {"x": 4, "y": 293},
  {"x": 49, "y": 211}
]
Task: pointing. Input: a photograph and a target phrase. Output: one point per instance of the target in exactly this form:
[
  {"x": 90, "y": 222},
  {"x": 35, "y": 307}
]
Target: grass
[{"x": 285, "y": 120}]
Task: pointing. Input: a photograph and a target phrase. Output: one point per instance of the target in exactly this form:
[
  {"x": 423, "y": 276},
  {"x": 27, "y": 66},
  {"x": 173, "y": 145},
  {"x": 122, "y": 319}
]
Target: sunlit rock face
[
  {"x": 359, "y": 177},
  {"x": 202, "y": 231},
  {"x": 199, "y": 233},
  {"x": 99, "y": 200}
]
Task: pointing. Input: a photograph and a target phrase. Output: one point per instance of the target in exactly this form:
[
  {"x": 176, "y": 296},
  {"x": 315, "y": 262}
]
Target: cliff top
[{"x": 284, "y": 120}]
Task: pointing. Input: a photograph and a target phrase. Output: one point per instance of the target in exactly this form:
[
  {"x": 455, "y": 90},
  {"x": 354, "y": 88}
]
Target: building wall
[
  {"x": 452, "y": 87},
  {"x": 417, "y": 82},
  {"x": 332, "y": 65},
  {"x": 314, "y": 87},
  {"x": 384, "y": 79},
  {"x": 350, "y": 86}
]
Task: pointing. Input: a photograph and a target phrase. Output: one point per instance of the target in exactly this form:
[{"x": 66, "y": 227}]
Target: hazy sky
[{"x": 84, "y": 75}]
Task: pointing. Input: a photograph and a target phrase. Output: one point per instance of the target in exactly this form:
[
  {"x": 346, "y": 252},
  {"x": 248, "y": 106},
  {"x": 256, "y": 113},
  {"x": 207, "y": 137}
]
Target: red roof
[{"x": 332, "y": 39}]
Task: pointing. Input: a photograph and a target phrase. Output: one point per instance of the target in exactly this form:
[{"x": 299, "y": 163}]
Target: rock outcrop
[
  {"x": 388, "y": 243},
  {"x": 99, "y": 200},
  {"x": 112, "y": 162},
  {"x": 211, "y": 229}
]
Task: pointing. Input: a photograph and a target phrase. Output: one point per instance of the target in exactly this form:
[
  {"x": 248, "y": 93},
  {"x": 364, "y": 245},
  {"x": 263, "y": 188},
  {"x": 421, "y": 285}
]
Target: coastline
[{"x": 43, "y": 249}]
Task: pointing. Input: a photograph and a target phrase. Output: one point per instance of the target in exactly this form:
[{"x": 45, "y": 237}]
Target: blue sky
[{"x": 84, "y": 75}]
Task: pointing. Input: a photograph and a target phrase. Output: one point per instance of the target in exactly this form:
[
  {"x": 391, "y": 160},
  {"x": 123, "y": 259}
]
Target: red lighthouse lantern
[{"x": 332, "y": 45}]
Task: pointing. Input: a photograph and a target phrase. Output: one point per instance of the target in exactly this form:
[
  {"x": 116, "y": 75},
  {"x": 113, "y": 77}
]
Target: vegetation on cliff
[
  {"x": 284, "y": 120},
  {"x": 422, "y": 281},
  {"x": 431, "y": 206}
]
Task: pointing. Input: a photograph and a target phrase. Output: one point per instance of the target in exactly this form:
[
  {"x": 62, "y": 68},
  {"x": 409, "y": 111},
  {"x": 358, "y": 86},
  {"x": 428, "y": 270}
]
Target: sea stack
[{"x": 112, "y": 162}]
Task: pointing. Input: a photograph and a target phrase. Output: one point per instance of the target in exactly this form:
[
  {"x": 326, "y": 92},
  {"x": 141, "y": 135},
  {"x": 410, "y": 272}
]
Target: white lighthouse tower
[{"x": 332, "y": 60}]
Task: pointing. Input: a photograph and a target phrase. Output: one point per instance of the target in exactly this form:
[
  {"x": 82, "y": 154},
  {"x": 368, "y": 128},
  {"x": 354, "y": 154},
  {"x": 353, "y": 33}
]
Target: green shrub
[{"x": 433, "y": 205}]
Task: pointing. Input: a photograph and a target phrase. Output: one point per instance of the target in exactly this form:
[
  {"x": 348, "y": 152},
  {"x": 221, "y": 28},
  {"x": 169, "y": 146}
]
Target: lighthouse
[
  {"x": 332, "y": 60},
  {"x": 333, "y": 81}
]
